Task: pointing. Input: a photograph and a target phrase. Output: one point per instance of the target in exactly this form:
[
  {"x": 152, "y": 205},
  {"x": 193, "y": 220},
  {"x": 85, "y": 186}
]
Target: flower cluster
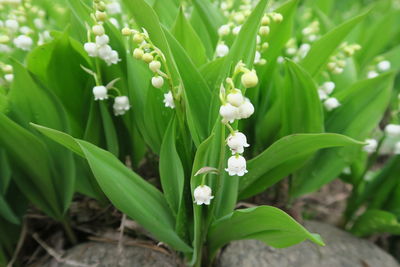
[
  {"x": 7, "y": 75},
  {"x": 22, "y": 25},
  {"x": 235, "y": 107},
  {"x": 153, "y": 56},
  {"x": 381, "y": 65},
  {"x": 337, "y": 62},
  {"x": 236, "y": 19},
  {"x": 100, "y": 48}
]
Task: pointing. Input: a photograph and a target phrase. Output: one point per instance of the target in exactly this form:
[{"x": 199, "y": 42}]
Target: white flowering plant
[{"x": 230, "y": 96}]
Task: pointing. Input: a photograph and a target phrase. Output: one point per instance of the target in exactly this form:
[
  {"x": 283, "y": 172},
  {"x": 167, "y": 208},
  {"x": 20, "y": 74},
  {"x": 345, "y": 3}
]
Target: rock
[
  {"x": 341, "y": 250},
  {"x": 106, "y": 255}
]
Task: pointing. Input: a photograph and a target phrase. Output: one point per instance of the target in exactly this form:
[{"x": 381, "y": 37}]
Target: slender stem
[{"x": 69, "y": 232}]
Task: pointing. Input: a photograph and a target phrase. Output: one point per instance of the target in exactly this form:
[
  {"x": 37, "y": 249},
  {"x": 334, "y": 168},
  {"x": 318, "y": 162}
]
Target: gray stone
[
  {"x": 341, "y": 250},
  {"x": 106, "y": 255}
]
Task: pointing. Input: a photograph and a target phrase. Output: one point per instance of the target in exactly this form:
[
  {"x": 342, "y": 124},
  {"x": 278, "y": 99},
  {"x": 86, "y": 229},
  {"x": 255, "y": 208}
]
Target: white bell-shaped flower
[
  {"x": 237, "y": 142},
  {"x": 246, "y": 109},
  {"x": 202, "y": 195},
  {"x": 224, "y": 30},
  {"x": 12, "y": 25},
  {"x": 236, "y": 30},
  {"x": 322, "y": 94},
  {"x": 155, "y": 65},
  {"x": 113, "y": 8},
  {"x": 222, "y": 50},
  {"x": 169, "y": 100},
  {"x": 331, "y": 103},
  {"x": 371, "y": 146},
  {"x": 102, "y": 40},
  {"x": 384, "y": 65},
  {"x": 25, "y": 30},
  {"x": 236, "y": 165},
  {"x": 91, "y": 49},
  {"x": 228, "y": 113},
  {"x": 235, "y": 97},
  {"x": 396, "y": 150},
  {"x": 121, "y": 105},
  {"x": 113, "y": 58},
  {"x": 372, "y": 74},
  {"x": 392, "y": 130},
  {"x": 23, "y": 42},
  {"x": 104, "y": 51},
  {"x": 328, "y": 87},
  {"x": 100, "y": 92},
  {"x": 157, "y": 81},
  {"x": 9, "y": 77}
]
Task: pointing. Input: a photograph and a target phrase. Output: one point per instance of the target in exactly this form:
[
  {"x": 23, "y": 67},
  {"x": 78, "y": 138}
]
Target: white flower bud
[
  {"x": 169, "y": 100},
  {"x": 328, "y": 87},
  {"x": 265, "y": 20},
  {"x": 7, "y": 68},
  {"x": 322, "y": 94},
  {"x": 121, "y": 105},
  {"x": 257, "y": 57},
  {"x": 337, "y": 70},
  {"x": 235, "y": 97},
  {"x": 155, "y": 65},
  {"x": 25, "y": 30},
  {"x": 98, "y": 30},
  {"x": 126, "y": 31},
  {"x": 237, "y": 142},
  {"x": 9, "y": 77},
  {"x": 113, "y": 8},
  {"x": 202, "y": 195},
  {"x": 384, "y": 65},
  {"x": 100, "y": 92},
  {"x": 138, "y": 53},
  {"x": 5, "y": 49},
  {"x": 304, "y": 49},
  {"x": 236, "y": 166},
  {"x": 12, "y": 25},
  {"x": 397, "y": 148},
  {"x": 91, "y": 49},
  {"x": 392, "y": 130},
  {"x": 277, "y": 17},
  {"x": 249, "y": 79},
  {"x": 23, "y": 42},
  {"x": 246, "y": 109},
  {"x": 236, "y": 30},
  {"x": 157, "y": 81},
  {"x": 224, "y": 30},
  {"x": 331, "y": 103},
  {"x": 371, "y": 146},
  {"x": 372, "y": 74},
  {"x": 138, "y": 38},
  {"x": 264, "y": 30},
  {"x": 102, "y": 40},
  {"x": 228, "y": 113},
  {"x": 147, "y": 57},
  {"x": 222, "y": 50},
  {"x": 239, "y": 18},
  {"x": 101, "y": 16}
]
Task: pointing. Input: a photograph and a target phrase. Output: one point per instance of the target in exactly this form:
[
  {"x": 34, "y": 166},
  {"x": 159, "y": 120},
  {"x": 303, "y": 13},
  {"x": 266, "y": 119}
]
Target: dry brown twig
[{"x": 58, "y": 257}]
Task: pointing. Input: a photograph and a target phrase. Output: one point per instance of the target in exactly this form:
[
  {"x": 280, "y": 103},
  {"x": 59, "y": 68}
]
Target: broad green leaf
[
  {"x": 167, "y": 11},
  {"x": 6, "y": 212},
  {"x": 171, "y": 170},
  {"x": 211, "y": 18},
  {"x": 128, "y": 191},
  {"x": 109, "y": 130},
  {"x": 376, "y": 222},
  {"x": 196, "y": 91},
  {"x": 30, "y": 155},
  {"x": 284, "y": 157},
  {"x": 323, "y": 48},
  {"x": 355, "y": 119},
  {"x": 188, "y": 39},
  {"x": 267, "y": 224},
  {"x": 302, "y": 109},
  {"x": 5, "y": 172}
]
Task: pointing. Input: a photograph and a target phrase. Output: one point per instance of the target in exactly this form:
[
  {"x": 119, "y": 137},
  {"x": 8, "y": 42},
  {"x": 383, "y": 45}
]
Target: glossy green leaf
[
  {"x": 6, "y": 212},
  {"x": 376, "y": 222},
  {"x": 302, "y": 109},
  {"x": 284, "y": 157},
  {"x": 171, "y": 170},
  {"x": 353, "y": 118},
  {"x": 188, "y": 39},
  {"x": 265, "y": 223}
]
